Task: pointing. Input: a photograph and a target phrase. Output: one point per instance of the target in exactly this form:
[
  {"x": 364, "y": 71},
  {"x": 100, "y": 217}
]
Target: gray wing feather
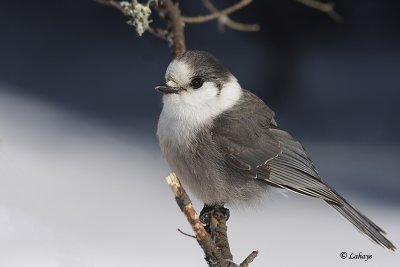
[{"x": 256, "y": 148}]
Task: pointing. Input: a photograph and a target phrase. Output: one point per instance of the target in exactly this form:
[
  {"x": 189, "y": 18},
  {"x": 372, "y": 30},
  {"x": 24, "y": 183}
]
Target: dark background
[{"x": 325, "y": 80}]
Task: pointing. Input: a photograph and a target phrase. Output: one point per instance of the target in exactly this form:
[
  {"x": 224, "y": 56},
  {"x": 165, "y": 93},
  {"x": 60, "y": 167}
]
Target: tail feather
[{"x": 363, "y": 224}]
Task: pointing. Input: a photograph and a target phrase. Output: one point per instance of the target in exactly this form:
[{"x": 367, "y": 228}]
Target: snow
[{"x": 74, "y": 192}]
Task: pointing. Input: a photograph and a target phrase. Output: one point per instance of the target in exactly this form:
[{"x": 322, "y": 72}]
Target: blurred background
[{"x": 81, "y": 174}]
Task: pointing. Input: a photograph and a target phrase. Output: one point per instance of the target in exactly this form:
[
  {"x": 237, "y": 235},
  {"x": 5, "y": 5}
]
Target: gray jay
[{"x": 225, "y": 145}]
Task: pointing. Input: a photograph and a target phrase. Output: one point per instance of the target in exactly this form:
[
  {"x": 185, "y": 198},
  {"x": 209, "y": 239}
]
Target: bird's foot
[{"x": 212, "y": 210}]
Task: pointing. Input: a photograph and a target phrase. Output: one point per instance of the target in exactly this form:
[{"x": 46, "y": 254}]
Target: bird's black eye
[{"x": 197, "y": 83}]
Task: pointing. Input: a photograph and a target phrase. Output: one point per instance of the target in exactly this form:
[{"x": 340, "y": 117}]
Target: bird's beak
[{"x": 165, "y": 89}]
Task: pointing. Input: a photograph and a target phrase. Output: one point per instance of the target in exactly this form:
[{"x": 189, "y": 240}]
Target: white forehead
[{"x": 179, "y": 72}]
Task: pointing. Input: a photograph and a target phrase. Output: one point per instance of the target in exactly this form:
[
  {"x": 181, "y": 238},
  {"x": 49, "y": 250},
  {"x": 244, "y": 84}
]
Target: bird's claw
[{"x": 207, "y": 211}]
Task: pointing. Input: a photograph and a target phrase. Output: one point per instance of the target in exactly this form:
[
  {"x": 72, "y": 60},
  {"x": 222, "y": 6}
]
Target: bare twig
[
  {"x": 239, "y": 26},
  {"x": 216, "y": 15},
  {"x": 327, "y": 8},
  {"x": 110, "y": 3},
  {"x": 249, "y": 259},
  {"x": 225, "y": 20},
  {"x": 186, "y": 234}
]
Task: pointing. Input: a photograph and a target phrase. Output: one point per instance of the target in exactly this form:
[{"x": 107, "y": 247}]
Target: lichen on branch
[{"x": 138, "y": 14}]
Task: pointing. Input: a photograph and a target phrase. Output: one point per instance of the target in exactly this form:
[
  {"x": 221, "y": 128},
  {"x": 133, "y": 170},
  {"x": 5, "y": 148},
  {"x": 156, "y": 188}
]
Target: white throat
[{"x": 184, "y": 114}]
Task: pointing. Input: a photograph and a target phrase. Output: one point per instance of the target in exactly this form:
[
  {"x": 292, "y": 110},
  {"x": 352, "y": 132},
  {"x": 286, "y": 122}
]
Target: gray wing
[{"x": 255, "y": 147}]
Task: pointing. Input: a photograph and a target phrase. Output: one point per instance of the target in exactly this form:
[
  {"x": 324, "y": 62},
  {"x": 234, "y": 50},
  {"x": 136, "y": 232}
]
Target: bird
[{"x": 224, "y": 144}]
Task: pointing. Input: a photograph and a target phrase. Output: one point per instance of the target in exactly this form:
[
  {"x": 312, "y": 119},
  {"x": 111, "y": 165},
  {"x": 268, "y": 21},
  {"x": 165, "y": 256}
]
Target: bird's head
[{"x": 197, "y": 82}]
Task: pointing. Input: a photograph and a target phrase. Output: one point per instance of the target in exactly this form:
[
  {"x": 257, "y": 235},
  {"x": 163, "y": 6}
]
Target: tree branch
[
  {"x": 249, "y": 259},
  {"x": 215, "y": 246},
  {"x": 170, "y": 12},
  {"x": 186, "y": 234},
  {"x": 226, "y": 21},
  {"x": 218, "y": 230},
  {"x": 216, "y": 15},
  {"x": 160, "y": 33},
  {"x": 112, "y": 3},
  {"x": 185, "y": 204},
  {"x": 327, "y": 8}
]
